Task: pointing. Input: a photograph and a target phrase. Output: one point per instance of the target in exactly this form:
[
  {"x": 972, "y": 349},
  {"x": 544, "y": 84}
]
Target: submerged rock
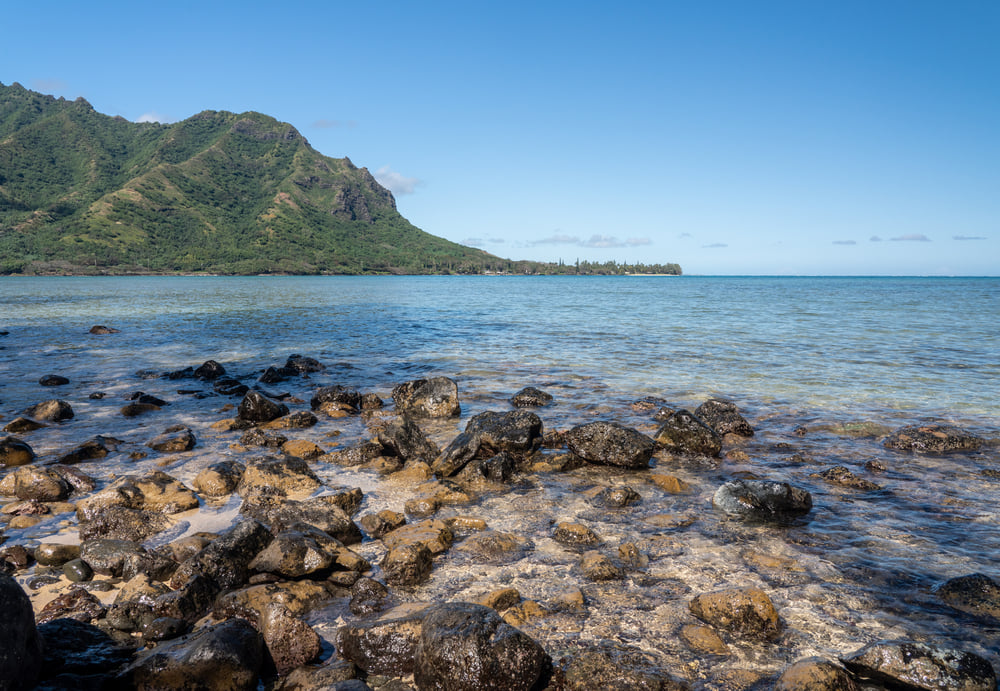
[
  {"x": 50, "y": 411},
  {"x": 815, "y": 674},
  {"x": 762, "y": 500},
  {"x": 90, "y": 450},
  {"x": 933, "y": 439},
  {"x": 685, "y": 434},
  {"x": 975, "y": 594},
  {"x": 608, "y": 443},
  {"x": 530, "y": 397},
  {"x": 614, "y": 667},
  {"x": 911, "y": 665},
  {"x": 748, "y": 612},
  {"x": 53, "y": 380},
  {"x": 175, "y": 439}
]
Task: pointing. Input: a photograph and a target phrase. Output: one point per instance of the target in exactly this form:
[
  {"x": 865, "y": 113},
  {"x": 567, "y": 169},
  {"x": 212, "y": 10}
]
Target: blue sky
[{"x": 798, "y": 137}]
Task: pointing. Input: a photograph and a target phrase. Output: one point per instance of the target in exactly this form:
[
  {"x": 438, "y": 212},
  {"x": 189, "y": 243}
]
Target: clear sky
[{"x": 731, "y": 137}]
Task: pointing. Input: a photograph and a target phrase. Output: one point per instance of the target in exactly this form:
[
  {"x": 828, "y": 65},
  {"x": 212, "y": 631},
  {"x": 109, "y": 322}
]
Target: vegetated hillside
[{"x": 82, "y": 192}]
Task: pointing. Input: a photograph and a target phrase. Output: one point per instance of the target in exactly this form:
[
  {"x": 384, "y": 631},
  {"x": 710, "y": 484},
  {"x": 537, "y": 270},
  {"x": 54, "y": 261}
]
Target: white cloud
[
  {"x": 844, "y": 242},
  {"x": 396, "y": 183},
  {"x": 911, "y": 237},
  {"x": 558, "y": 239},
  {"x": 875, "y": 238},
  {"x": 967, "y": 237},
  {"x": 153, "y": 116},
  {"x": 715, "y": 245},
  {"x": 596, "y": 241},
  {"x": 482, "y": 242}
]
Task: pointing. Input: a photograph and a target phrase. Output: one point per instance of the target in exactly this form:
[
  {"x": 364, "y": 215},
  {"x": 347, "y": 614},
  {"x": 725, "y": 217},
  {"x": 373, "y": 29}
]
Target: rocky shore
[{"x": 225, "y": 551}]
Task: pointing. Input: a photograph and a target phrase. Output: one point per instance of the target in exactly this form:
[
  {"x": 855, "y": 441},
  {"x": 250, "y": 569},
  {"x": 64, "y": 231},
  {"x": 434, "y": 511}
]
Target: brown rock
[
  {"x": 703, "y": 639},
  {"x": 815, "y": 674},
  {"x": 747, "y": 612}
]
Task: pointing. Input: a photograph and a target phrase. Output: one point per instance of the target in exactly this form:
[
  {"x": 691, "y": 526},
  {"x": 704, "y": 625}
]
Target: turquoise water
[{"x": 812, "y": 354}]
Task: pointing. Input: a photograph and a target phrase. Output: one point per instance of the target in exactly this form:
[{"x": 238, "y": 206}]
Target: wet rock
[
  {"x": 912, "y": 665},
  {"x": 368, "y": 596},
  {"x": 56, "y": 553},
  {"x": 294, "y": 553},
  {"x": 75, "y": 603},
  {"x": 78, "y": 655},
  {"x": 302, "y": 448},
  {"x": 301, "y": 419},
  {"x": 226, "y": 560},
  {"x": 685, "y": 434},
  {"x": 154, "y": 491},
  {"x": 407, "y": 564},
  {"x": 137, "y": 408},
  {"x": 20, "y": 425},
  {"x": 615, "y": 668},
  {"x": 14, "y": 558},
  {"x": 53, "y": 380},
  {"x": 107, "y": 557},
  {"x": 530, "y": 397},
  {"x": 502, "y": 599},
  {"x": 361, "y": 454},
  {"x": 975, "y": 594},
  {"x": 224, "y": 657},
  {"x": 931, "y": 439},
  {"x": 468, "y": 647},
  {"x": 175, "y": 439},
  {"x": 227, "y": 386},
  {"x": 275, "y": 375},
  {"x": 334, "y": 675},
  {"x": 219, "y": 479},
  {"x": 299, "y": 597},
  {"x": 277, "y": 477},
  {"x": 762, "y": 500},
  {"x": 404, "y": 438},
  {"x": 92, "y": 449},
  {"x": 617, "y": 497},
  {"x": 703, "y": 639},
  {"x": 304, "y": 365},
  {"x": 609, "y": 443},
  {"x": 433, "y": 534},
  {"x": 378, "y": 524},
  {"x": 815, "y": 674},
  {"x": 210, "y": 370},
  {"x": 290, "y": 641},
  {"x": 324, "y": 513},
  {"x": 387, "y": 645},
  {"x": 435, "y": 397},
  {"x": 669, "y": 483},
  {"x": 164, "y": 629},
  {"x": 14, "y": 452},
  {"x": 256, "y": 408},
  {"x": 77, "y": 571},
  {"x": 20, "y": 644},
  {"x": 575, "y": 534},
  {"x": 598, "y": 567},
  {"x": 77, "y": 479},
  {"x": 840, "y": 475},
  {"x": 123, "y": 523},
  {"x": 101, "y": 330},
  {"x": 259, "y": 437},
  {"x": 338, "y": 396},
  {"x": 747, "y": 612},
  {"x": 724, "y": 418},
  {"x": 190, "y": 601},
  {"x": 494, "y": 547},
  {"x": 33, "y": 483}
]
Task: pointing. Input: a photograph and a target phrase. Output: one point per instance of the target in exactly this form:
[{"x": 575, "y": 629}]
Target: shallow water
[{"x": 791, "y": 352}]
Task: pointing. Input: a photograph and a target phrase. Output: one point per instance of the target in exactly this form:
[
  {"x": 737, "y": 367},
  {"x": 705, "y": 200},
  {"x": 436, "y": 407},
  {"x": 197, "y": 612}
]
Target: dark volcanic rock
[
  {"x": 346, "y": 399},
  {"x": 290, "y": 641},
  {"x": 724, "y": 418},
  {"x": 256, "y": 408},
  {"x": 219, "y": 479},
  {"x": 224, "y": 657},
  {"x": 386, "y": 645},
  {"x": 367, "y": 597},
  {"x": 815, "y": 674},
  {"x": 404, "y": 438},
  {"x": 684, "y": 433},
  {"x": 76, "y": 603},
  {"x": 77, "y": 653},
  {"x": 748, "y": 612},
  {"x": 53, "y": 380},
  {"x": 468, "y": 647},
  {"x": 123, "y": 523},
  {"x": 92, "y": 449},
  {"x": 762, "y": 500},
  {"x": 20, "y": 644},
  {"x": 615, "y": 668},
  {"x": 226, "y": 560},
  {"x": 530, "y": 397},
  {"x": 14, "y": 452},
  {"x": 325, "y": 513},
  {"x": 435, "y": 397},
  {"x": 609, "y": 443},
  {"x": 101, "y": 330},
  {"x": 227, "y": 386},
  {"x": 933, "y": 439},
  {"x": 304, "y": 365},
  {"x": 516, "y": 433},
  {"x": 174, "y": 439},
  {"x": 50, "y": 411},
  {"x": 20, "y": 425},
  {"x": 210, "y": 370},
  {"x": 32, "y": 483},
  {"x": 975, "y": 594},
  {"x": 407, "y": 564},
  {"x": 277, "y": 477},
  {"x": 910, "y": 665}
]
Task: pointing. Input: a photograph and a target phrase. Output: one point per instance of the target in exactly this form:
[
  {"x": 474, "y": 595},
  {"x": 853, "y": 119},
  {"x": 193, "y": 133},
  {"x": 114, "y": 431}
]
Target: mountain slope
[{"x": 218, "y": 192}]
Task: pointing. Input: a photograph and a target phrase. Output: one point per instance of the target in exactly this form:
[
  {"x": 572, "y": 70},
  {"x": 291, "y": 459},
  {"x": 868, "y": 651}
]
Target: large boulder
[
  {"x": 911, "y": 665},
  {"x": 32, "y": 483},
  {"x": 404, "y": 438},
  {"x": 14, "y": 452},
  {"x": 685, "y": 434},
  {"x": 277, "y": 477},
  {"x": 762, "y": 500},
  {"x": 226, "y": 560},
  {"x": 516, "y": 433},
  {"x": 608, "y": 443},
  {"x": 468, "y": 647},
  {"x": 724, "y": 418},
  {"x": 154, "y": 491},
  {"x": 327, "y": 513},
  {"x": 933, "y": 439},
  {"x": 435, "y": 397},
  {"x": 20, "y": 644},
  {"x": 256, "y": 408},
  {"x": 386, "y": 645},
  {"x": 78, "y": 655},
  {"x": 336, "y": 396}
]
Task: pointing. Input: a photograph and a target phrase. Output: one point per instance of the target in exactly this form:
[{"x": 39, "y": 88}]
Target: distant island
[{"x": 218, "y": 193}]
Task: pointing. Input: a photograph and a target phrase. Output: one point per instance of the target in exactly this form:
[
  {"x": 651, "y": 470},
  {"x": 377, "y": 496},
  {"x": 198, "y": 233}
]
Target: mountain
[{"x": 82, "y": 192}]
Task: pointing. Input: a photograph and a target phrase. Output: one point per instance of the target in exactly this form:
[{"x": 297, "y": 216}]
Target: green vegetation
[{"x": 220, "y": 192}]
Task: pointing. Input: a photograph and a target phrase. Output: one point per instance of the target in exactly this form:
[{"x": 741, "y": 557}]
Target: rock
[
  {"x": 747, "y": 612},
  {"x": 20, "y": 644},
  {"x": 975, "y": 594},
  {"x": 277, "y": 477},
  {"x": 56, "y": 553},
  {"x": 77, "y": 479},
  {"x": 387, "y": 645},
  {"x": 404, "y": 438},
  {"x": 598, "y": 567},
  {"x": 256, "y": 408},
  {"x": 101, "y": 330},
  {"x": 575, "y": 534},
  {"x": 367, "y": 597},
  {"x": 468, "y": 647},
  {"x": 228, "y": 386},
  {"x": 20, "y": 425},
  {"x": 502, "y": 599},
  {"x": 75, "y": 603},
  {"x": 929, "y": 439},
  {"x": 290, "y": 641},
  {"x": 762, "y": 500},
  {"x": 322, "y": 512},
  {"x": 164, "y": 629},
  {"x": 154, "y": 491},
  {"x": 617, "y": 497},
  {"x": 615, "y": 667},
  {"x": 815, "y": 674},
  {"x": 210, "y": 370},
  {"x": 333, "y": 675},
  {"x": 493, "y": 547},
  {"x": 33, "y": 483},
  {"x": 914, "y": 665},
  {"x": 16, "y": 556},
  {"x": 92, "y": 449},
  {"x": 219, "y": 479},
  {"x": 530, "y": 397},
  {"x": 77, "y": 571},
  {"x": 137, "y": 408},
  {"x": 107, "y": 557},
  {"x": 435, "y": 397},
  {"x": 298, "y": 420},
  {"x": 175, "y": 439},
  {"x": 53, "y": 380},
  {"x": 77, "y": 653},
  {"x": 294, "y": 553},
  {"x": 226, "y": 560},
  {"x": 685, "y": 434},
  {"x": 123, "y": 523},
  {"x": 724, "y": 418},
  {"x": 259, "y": 437},
  {"x": 14, "y": 452},
  {"x": 342, "y": 398},
  {"x": 406, "y": 565},
  {"x": 378, "y": 524},
  {"x": 703, "y": 639},
  {"x": 841, "y": 475},
  {"x": 223, "y": 657},
  {"x": 302, "y": 448},
  {"x": 609, "y": 443}
]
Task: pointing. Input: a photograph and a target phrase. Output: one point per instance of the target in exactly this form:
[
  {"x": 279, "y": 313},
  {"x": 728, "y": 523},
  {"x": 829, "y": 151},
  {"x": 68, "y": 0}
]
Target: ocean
[{"x": 822, "y": 368}]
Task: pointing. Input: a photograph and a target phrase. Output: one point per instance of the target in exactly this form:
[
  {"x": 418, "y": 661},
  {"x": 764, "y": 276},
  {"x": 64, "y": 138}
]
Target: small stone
[
  {"x": 500, "y": 599},
  {"x": 575, "y": 534},
  {"x": 77, "y": 570},
  {"x": 669, "y": 483},
  {"x": 597, "y": 567},
  {"x": 53, "y": 380}
]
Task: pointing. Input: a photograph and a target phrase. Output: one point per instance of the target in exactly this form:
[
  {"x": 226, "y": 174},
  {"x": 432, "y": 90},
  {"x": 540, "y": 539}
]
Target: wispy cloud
[
  {"x": 967, "y": 237},
  {"x": 684, "y": 235},
  {"x": 153, "y": 116},
  {"x": 911, "y": 237},
  {"x": 396, "y": 183},
  {"x": 844, "y": 242},
  {"x": 334, "y": 124},
  {"x": 715, "y": 245},
  {"x": 595, "y": 241},
  {"x": 558, "y": 239},
  {"x": 482, "y": 242},
  {"x": 875, "y": 238}
]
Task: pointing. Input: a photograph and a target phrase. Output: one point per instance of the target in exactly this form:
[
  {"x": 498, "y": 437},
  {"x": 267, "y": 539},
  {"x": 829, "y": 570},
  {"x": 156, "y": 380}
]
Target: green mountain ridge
[{"x": 219, "y": 192}]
